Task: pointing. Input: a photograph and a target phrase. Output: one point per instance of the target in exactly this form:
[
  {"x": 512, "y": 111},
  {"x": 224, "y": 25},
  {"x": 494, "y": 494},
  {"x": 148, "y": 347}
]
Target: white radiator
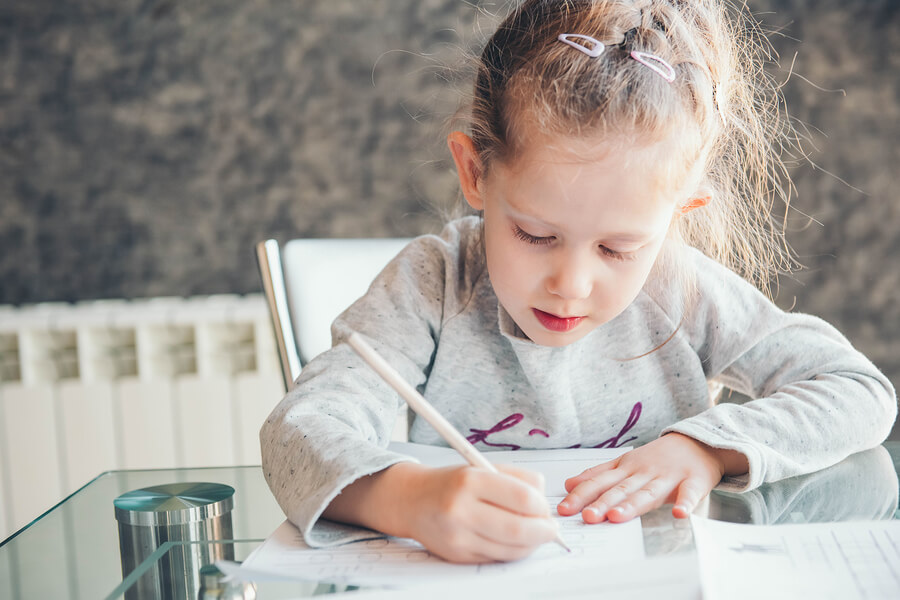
[{"x": 92, "y": 387}]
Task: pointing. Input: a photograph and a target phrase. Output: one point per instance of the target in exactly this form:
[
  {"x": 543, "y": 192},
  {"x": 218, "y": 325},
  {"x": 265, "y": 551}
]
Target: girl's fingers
[
  {"x": 468, "y": 547},
  {"x": 673, "y": 467},
  {"x": 505, "y": 536},
  {"x": 652, "y": 494},
  {"x": 597, "y": 511},
  {"x": 509, "y": 492},
  {"x": 594, "y": 496},
  {"x": 532, "y": 478},
  {"x": 588, "y": 490},
  {"x": 572, "y": 482},
  {"x": 490, "y": 551},
  {"x": 690, "y": 493}
]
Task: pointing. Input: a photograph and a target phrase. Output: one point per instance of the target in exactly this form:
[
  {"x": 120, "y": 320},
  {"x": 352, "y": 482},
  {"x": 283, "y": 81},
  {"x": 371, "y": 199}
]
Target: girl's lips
[{"x": 554, "y": 323}]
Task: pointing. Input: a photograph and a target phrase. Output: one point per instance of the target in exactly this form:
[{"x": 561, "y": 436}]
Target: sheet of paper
[
  {"x": 393, "y": 561},
  {"x": 671, "y": 577},
  {"x": 817, "y": 560}
]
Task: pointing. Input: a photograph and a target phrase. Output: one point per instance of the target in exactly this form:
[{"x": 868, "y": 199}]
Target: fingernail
[
  {"x": 564, "y": 504},
  {"x": 593, "y": 512}
]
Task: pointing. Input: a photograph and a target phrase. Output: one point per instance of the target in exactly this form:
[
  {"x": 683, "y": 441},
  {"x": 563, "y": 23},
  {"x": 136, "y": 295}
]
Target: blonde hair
[{"x": 723, "y": 110}]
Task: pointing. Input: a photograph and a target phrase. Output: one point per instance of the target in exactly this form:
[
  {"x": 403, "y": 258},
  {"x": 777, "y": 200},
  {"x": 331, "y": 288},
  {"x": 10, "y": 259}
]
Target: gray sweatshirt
[{"x": 433, "y": 314}]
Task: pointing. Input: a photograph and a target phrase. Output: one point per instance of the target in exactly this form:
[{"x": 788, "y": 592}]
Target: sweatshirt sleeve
[
  {"x": 334, "y": 426},
  {"x": 814, "y": 398}
]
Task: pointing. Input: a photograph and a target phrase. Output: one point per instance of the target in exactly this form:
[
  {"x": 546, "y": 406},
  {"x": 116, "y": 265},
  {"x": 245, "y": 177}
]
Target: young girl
[{"x": 621, "y": 162}]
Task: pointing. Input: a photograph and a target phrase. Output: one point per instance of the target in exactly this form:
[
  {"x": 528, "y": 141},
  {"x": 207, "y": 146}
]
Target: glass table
[{"x": 72, "y": 550}]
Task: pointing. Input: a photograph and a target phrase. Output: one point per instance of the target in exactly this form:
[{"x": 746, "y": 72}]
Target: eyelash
[
  {"x": 616, "y": 255},
  {"x": 532, "y": 239},
  {"x": 543, "y": 241}
]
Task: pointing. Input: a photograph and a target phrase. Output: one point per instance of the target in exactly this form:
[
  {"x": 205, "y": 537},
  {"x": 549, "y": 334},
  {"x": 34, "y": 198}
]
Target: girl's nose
[{"x": 571, "y": 279}]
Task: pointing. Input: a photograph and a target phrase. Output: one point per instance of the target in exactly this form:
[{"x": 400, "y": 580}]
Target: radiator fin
[{"x": 97, "y": 386}]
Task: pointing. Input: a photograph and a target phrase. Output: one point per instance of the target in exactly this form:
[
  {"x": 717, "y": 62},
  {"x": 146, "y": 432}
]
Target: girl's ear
[
  {"x": 468, "y": 168},
  {"x": 693, "y": 203}
]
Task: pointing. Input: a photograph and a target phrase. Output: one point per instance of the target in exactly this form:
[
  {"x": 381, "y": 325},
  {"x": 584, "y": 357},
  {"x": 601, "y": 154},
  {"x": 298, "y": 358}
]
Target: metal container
[
  {"x": 214, "y": 585},
  {"x": 178, "y": 521}
]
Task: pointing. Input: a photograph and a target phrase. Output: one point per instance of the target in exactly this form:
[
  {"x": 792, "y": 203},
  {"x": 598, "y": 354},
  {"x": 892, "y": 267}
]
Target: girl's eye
[
  {"x": 531, "y": 239},
  {"x": 616, "y": 255}
]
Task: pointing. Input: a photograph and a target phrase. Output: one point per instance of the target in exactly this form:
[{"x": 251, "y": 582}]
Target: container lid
[{"x": 174, "y": 503}]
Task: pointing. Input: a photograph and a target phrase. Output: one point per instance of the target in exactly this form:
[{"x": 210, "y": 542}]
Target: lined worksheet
[
  {"x": 824, "y": 561},
  {"x": 668, "y": 577},
  {"x": 392, "y": 561}
]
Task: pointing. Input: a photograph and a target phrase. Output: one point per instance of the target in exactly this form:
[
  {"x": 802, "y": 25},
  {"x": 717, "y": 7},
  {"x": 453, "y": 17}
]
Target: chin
[
  {"x": 557, "y": 343},
  {"x": 558, "y": 340}
]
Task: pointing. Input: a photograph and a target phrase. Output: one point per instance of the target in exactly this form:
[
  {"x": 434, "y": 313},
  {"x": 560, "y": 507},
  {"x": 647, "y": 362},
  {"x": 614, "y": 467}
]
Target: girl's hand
[
  {"x": 674, "y": 468},
  {"x": 461, "y": 514},
  {"x": 470, "y": 515}
]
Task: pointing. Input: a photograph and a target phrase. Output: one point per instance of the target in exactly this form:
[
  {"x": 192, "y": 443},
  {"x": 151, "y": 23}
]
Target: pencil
[{"x": 424, "y": 409}]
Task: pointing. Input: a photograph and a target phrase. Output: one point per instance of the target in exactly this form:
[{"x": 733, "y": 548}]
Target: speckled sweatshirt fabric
[{"x": 432, "y": 313}]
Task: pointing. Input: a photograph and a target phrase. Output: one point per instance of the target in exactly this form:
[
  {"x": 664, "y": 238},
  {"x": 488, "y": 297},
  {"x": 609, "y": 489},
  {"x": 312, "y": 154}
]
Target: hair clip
[
  {"x": 594, "y": 51},
  {"x": 652, "y": 61}
]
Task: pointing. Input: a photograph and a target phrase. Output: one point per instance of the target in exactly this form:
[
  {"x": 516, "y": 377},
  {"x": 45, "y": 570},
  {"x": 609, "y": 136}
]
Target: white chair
[{"x": 309, "y": 283}]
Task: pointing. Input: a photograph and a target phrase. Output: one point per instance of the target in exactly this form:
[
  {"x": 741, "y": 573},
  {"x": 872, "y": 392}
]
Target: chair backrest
[{"x": 309, "y": 283}]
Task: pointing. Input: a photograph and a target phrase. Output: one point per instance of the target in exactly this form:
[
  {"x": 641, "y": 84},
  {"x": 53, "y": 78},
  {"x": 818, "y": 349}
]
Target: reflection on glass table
[{"x": 72, "y": 551}]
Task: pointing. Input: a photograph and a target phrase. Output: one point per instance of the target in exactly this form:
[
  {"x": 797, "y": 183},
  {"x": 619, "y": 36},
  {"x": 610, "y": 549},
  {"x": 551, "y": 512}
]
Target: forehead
[
  {"x": 658, "y": 167},
  {"x": 587, "y": 190},
  {"x": 619, "y": 162}
]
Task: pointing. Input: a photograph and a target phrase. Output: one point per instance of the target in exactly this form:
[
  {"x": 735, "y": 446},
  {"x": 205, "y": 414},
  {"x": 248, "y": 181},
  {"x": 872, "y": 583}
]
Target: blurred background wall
[{"x": 146, "y": 145}]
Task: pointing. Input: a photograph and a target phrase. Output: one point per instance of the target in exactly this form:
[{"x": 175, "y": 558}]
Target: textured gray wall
[
  {"x": 852, "y": 252},
  {"x": 146, "y": 145}
]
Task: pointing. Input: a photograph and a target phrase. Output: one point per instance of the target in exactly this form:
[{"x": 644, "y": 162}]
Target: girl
[{"x": 621, "y": 161}]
